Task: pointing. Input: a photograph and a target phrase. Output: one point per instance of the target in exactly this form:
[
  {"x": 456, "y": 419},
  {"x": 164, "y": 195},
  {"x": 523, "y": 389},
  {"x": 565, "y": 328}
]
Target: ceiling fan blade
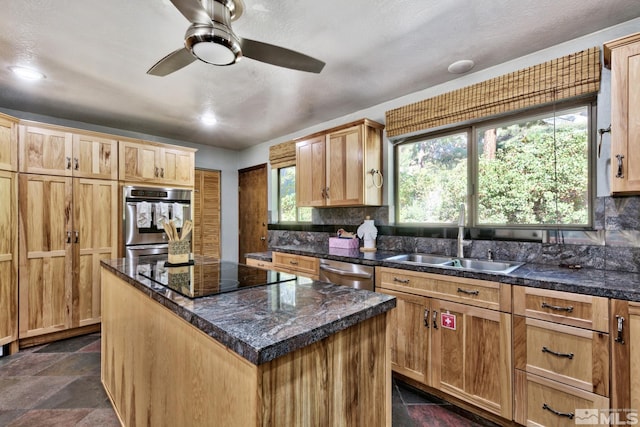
[
  {"x": 265, "y": 52},
  {"x": 174, "y": 61},
  {"x": 193, "y": 11}
]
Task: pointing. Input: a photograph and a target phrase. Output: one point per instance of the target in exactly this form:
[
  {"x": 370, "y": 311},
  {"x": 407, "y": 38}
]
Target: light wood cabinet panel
[
  {"x": 297, "y": 264},
  {"x": 409, "y": 335},
  {"x": 574, "y": 356},
  {"x": 206, "y": 213},
  {"x": 625, "y": 355},
  {"x": 147, "y": 162},
  {"x": 471, "y": 355},
  {"x": 550, "y": 403},
  {"x": 334, "y": 167},
  {"x": 95, "y": 223},
  {"x": 583, "y": 311},
  {"x": 259, "y": 263},
  {"x": 8, "y": 143},
  {"x": 623, "y": 57},
  {"x": 45, "y": 254},
  {"x": 95, "y": 157},
  {"x": 45, "y": 150},
  {"x": 8, "y": 258},
  {"x": 310, "y": 172}
]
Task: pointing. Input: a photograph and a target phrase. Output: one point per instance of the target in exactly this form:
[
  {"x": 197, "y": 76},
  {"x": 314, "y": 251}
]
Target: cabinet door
[
  {"x": 409, "y": 324},
  {"x": 95, "y": 157},
  {"x": 206, "y": 213},
  {"x": 625, "y": 118},
  {"x": 344, "y": 167},
  {"x": 471, "y": 355},
  {"x": 177, "y": 167},
  {"x": 8, "y": 258},
  {"x": 95, "y": 229},
  {"x": 8, "y": 144},
  {"x": 310, "y": 172},
  {"x": 45, "y": 254},
  {"x": 45, "y": 151},
  {"x": 625, "y": 351},
  {"x": 139, "y": 162}
]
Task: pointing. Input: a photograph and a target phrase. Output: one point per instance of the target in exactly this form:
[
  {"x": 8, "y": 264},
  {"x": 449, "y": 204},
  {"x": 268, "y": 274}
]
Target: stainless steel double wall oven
[{"x": 144, "y": 210}]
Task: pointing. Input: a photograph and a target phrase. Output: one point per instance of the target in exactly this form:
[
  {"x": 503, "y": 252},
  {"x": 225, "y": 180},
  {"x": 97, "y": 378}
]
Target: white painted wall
[{"x": 259, "y": 154}]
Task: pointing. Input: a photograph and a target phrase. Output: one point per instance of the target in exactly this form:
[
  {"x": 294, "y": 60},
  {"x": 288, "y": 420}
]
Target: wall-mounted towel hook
[{"x": 602, "y": 132}]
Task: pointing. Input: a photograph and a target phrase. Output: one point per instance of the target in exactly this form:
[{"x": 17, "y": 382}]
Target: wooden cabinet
[
  {"x": 8, "y": 143},
  {"x": 336, "y": 167},
  {"x": 8, "y": 259},
  {"x": 561, "y": 355},
  {"x": 462, "y": 349},
  {"x": 206, "y": 213},
  {"x": 52, "y": 150},
  {"x": 625, "y": 363},
  {"x": 67, "y": 226},
  {"x": 259, "y": 263},
  {"x": 297, "y": 264},
  {"x": 623, "y": 57},
  {"x": 141, "y": 161}
]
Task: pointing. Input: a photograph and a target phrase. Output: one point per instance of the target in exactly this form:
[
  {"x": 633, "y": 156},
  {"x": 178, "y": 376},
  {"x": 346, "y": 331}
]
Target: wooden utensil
[
  {"x": 186, "y": 229},
  {"x": 169, "y": 230}
]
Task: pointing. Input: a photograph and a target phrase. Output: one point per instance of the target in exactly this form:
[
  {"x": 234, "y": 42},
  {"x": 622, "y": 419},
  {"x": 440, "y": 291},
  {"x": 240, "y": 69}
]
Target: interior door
[
  {"x": 252, "y": 210},
  {"x": 206, "y": 213}
]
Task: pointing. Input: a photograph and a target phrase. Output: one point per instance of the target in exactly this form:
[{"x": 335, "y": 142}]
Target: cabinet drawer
[
  {"x": 570, "y": 355},
  {"x": 297, "y": 264},
  {"x": 537, "y": 398},
  {"x": 583, "y": 311},
  {"x": 479, "y": 293},
  {"x": 267, "y": 265}
]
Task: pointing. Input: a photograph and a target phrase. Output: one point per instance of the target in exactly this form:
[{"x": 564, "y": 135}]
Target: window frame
[
  {"x": 278, "y": 198},
  {"x": 472, "y": 127}
]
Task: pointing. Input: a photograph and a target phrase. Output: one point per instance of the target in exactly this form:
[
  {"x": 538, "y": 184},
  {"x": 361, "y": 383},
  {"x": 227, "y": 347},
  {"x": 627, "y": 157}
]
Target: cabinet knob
[
  {"x": 161, "y": 172},
  {"x": 68, "y": 162},
  {"x": 619, "y": 174},
  {"x": 68, "y": 237},
  {"x": 77, "y": 234},
  {"x": 76, "y": 163},
  {"x": 156, "y": 172}
]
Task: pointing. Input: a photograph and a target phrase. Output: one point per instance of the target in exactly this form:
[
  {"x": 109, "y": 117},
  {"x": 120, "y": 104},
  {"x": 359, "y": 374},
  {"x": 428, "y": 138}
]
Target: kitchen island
[{"x": 297, "y": 352}]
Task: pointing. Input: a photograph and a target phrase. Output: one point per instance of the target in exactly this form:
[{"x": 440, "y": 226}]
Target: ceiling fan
[{"x": 210, "y": 39}]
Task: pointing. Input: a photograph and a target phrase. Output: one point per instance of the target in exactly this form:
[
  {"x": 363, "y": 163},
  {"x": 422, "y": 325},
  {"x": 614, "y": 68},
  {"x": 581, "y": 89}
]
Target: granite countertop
[
  {"x": 588, "y": 281},
  {"x": 264, "y": 322}
]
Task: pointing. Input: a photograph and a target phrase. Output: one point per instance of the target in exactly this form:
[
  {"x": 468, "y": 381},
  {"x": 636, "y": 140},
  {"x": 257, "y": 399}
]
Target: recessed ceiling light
[
  {"x": 208, "y": 119},
  {"x": 462, "y": 66},
  {"x": 26, "y": 73}
]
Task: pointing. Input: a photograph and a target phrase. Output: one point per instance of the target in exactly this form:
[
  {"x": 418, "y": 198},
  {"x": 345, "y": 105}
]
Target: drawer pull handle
[
  {"x": 569, "y": 415},
  {"x": 555, "y": 353},
  {"x": 426, "y": 318},
  {"x": 568, "y": 309},
  {"x": 435, "y": 319},
  {"x": 405, "y": 281},
  {"x": 468, "y": 292},
  {"x": 293, "y": 262},
  {"x": 619, "y": 338}
]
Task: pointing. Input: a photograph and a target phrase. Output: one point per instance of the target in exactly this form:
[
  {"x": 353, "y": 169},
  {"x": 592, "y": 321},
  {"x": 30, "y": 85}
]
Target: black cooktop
[{"x": 210, "y": 278}]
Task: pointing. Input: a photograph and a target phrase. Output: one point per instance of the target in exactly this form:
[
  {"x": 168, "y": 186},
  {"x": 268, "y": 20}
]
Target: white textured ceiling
[{"x": 95, "y": 54}]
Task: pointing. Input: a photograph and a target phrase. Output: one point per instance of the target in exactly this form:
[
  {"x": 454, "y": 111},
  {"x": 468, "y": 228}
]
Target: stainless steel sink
[
  {"x": 467, "y": 264},
  {"x": 486, "y": 265},
  {"x": 422, "y": 259}
]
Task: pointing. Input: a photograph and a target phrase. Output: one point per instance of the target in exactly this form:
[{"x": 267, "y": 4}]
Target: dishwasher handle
[{"x": 344, "y": 272}]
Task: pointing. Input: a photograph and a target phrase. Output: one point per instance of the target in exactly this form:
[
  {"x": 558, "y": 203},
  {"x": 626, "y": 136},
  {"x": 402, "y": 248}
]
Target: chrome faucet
[{"x": 461, "y": 242}]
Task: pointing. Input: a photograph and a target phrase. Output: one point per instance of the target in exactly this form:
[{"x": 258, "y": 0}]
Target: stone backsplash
[{"x": 613, "y": 244}]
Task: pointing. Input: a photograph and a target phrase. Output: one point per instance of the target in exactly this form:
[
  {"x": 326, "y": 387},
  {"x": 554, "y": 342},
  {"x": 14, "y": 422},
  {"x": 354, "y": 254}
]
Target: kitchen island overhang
[{"x": 290, "y": 353}]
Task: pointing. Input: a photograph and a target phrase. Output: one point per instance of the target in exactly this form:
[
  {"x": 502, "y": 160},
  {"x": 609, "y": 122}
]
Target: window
[
  {"x": 287, "y": 209},
  {"x": 524, "y": 172}
]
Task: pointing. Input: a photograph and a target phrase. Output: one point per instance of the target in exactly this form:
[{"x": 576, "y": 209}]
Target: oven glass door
[{"x": 151, "y": 234}]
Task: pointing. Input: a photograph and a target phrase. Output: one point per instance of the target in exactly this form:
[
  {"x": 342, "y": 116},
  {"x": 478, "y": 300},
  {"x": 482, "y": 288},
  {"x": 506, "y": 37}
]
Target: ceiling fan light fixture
[{"x": 213, "y": 44}]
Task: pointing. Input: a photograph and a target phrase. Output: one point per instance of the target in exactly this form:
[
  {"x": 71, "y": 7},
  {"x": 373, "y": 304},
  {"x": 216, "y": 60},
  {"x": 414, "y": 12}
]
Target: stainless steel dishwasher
[{"x": 347, "y": 274}]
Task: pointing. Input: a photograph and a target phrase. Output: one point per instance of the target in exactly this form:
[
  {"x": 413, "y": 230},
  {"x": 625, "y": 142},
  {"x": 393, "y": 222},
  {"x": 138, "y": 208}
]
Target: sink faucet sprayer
[{"x": 461, "y": 242}]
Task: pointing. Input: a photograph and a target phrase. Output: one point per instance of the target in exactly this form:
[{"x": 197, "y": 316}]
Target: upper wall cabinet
[
  {"x": 49, "y": 150},
  {"x": 156, "y": 163},
  {"x": 623, "y": 57},
  {"x": 8, "y": 143},
  {"x": 340, "y": 166}
]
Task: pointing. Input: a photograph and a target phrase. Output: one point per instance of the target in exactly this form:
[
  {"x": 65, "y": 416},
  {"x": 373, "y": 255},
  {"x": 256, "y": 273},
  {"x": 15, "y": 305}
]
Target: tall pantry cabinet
[
  {"x": 67, "y": 223},
  {"x": 8, "y": 233}
]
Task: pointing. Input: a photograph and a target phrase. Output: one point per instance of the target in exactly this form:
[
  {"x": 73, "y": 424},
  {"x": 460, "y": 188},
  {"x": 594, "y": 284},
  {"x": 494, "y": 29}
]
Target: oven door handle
[{"x": 344, "y": 272}]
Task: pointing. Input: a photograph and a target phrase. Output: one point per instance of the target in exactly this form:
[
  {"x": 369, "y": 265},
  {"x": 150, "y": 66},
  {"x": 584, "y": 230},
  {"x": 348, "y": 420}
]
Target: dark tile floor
[{"x": 58, "y": 384}]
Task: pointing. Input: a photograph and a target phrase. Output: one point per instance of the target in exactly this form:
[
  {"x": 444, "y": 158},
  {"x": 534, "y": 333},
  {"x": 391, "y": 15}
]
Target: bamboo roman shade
[
  {"x": 566, "y": 77},
  {"x": 282, "y": 155}
]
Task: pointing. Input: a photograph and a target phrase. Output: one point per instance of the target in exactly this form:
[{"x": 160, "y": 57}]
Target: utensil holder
[{"x": 179, "y": 251}]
